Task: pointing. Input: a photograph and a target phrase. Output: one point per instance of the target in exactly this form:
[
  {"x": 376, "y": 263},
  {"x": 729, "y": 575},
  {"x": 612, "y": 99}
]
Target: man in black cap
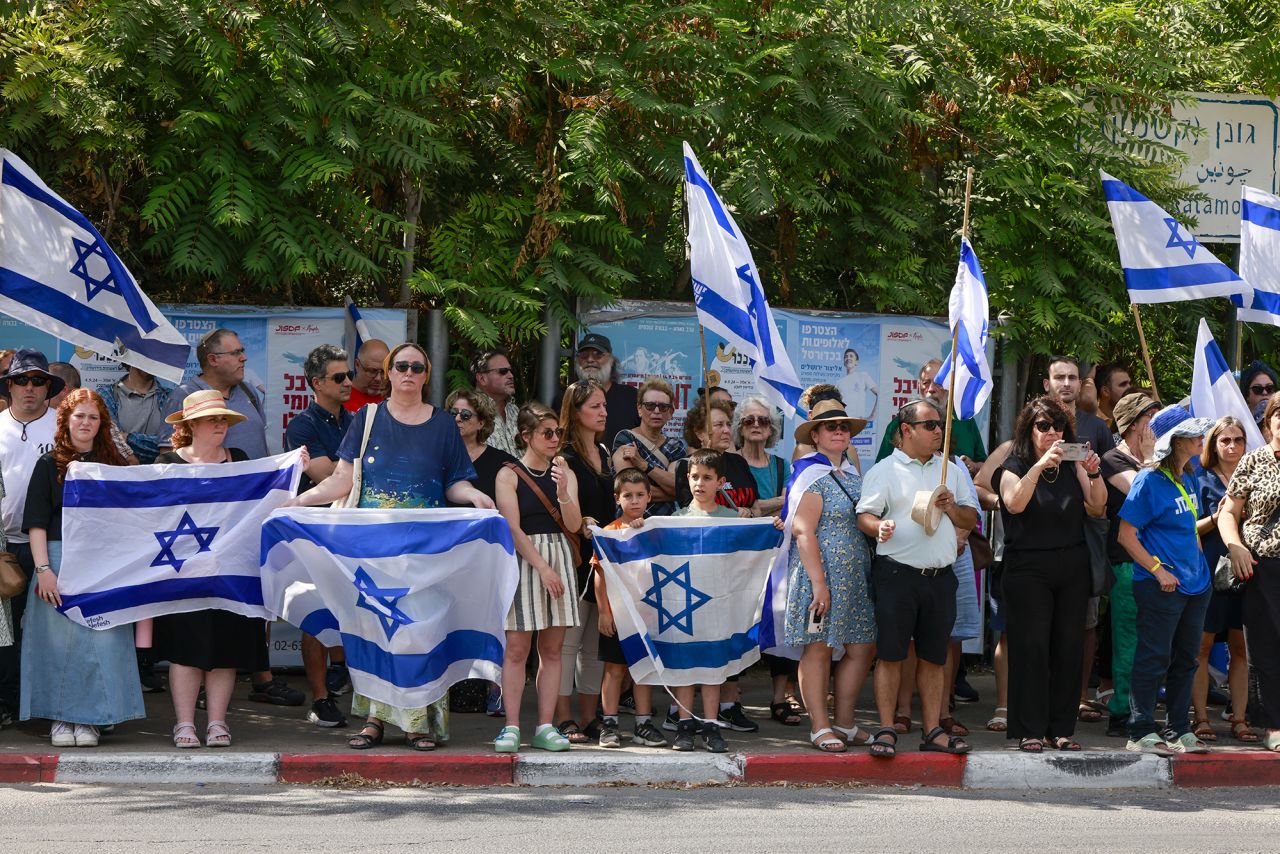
[
  {"x": 594, "y": 361},
  {"x": 26, "y": 434}
]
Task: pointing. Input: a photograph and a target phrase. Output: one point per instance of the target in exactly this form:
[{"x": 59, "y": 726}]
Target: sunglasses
[
  {"x": 502, "y": 372},
  {"x": 550, "y": 433},
  {"x": 1263, "y": 389},
  {"x": 406, "y": 367},
  {"x": 342, "y": 376},
  {"x": 756, "y": 421},
  {"x": 843, "y": 426},
  {"x": 463, "y": 415},
  {"x": 928, "y": 424},
  {"x": 35, "y": 381},
  {"x": 654, "y": 406},
  {"x": 1051, "y": 426}
]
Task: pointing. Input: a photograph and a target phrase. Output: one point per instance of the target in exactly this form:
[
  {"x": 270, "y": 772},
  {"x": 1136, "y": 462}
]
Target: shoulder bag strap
[
  {"x": 574, "y": 538},
  {"x": 654, "y": 451},
  {"x": 352, "y": 498}
]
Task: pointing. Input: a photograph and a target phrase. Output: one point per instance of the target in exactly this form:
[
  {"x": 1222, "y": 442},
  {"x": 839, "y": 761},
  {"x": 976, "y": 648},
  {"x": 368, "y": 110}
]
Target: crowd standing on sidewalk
[{"x": 1128, "y": 537}]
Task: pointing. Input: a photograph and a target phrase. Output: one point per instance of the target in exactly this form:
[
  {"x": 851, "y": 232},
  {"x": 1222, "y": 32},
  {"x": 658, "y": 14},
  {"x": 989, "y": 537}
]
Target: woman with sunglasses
[
  {"x": 414, "y": 458},
  {"x": 712, "y": 427},
  {"x": 1257, "y": 383},
  {"x": 475, "y": 414},
  {"x": 757, "y": 426},
  {"x": 538, "y": 497},
  {"x": 809, "y": 398},
  {"x": 1047, "y": 580},
  {"x": 647, "y": 448}
]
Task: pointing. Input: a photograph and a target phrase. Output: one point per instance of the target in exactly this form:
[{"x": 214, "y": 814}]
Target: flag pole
[
  {"x": 1146, "y": 355},
  {"x": 955, "y": 339}
]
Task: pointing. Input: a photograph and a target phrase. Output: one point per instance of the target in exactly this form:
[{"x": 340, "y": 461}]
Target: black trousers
[
  {"x": 1045, "y": 597},
  {"x": 1262, "y": 637},
  {"x": 11, "y": 656}
]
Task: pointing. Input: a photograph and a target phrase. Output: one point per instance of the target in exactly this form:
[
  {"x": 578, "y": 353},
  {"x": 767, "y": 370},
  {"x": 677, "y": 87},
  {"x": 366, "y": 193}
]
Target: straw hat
[
  {"x": 825, "y": 411},
  {"x": 203, "y": 404}
]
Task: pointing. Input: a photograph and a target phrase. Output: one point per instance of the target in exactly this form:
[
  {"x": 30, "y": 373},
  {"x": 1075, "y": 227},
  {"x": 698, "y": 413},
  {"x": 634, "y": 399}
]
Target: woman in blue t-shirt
[{"x": 1170, "y": 584}]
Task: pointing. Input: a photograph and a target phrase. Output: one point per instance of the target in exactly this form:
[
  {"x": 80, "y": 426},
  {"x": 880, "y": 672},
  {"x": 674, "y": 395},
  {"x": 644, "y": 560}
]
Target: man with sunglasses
[
  {"x": 495, "y": 377},
  {"x": 369, "y": 382},
  {"x": 26, "y": 433},
  {"x": 966, "y": 438},
  {"x": 594, "y": 360}
]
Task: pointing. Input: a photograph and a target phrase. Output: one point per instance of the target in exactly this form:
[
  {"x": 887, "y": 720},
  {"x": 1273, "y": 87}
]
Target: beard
[{"x": 602, "y": 374}]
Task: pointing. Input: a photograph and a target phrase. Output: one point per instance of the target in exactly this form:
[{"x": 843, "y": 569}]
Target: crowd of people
[{"x": 1119, "y": 538}]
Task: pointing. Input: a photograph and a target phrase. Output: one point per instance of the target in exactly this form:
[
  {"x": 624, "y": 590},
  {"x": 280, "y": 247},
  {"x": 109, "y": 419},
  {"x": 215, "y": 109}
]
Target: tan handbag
[
  {"x": 352, "y": 498},
  {"x": 13, "y": 581}
]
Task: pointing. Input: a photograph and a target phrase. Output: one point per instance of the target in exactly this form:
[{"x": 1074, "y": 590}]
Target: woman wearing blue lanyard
[{"x": 1170, "y": 584}]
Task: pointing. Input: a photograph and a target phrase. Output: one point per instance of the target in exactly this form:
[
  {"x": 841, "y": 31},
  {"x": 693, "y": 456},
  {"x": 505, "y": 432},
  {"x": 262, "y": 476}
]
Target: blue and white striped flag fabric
[
  {"x": 417, "y": 598},
  {"x": 1259, "y": 257},
  {"x": 358, "y": 330},
  {"x": 686, "y": 595},
  {"x": 728, "y": 293},
  {"x": 773, "y": 616},
  {"x": 58, "y": 274},
  {"x": 1214, "y": 391},
  {"x": 1161, "y": 258},
  {"x": 143, "y": 541},
  {"x": 970, "y": 312}
]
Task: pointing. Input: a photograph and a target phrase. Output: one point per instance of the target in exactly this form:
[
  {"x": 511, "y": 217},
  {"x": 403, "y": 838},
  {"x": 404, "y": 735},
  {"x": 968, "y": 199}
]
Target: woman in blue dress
[{"x": 828, "y": 582}]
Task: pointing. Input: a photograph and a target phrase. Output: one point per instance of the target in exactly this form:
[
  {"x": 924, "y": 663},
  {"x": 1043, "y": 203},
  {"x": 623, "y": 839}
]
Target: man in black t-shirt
[{"x": 594, "y": 360}]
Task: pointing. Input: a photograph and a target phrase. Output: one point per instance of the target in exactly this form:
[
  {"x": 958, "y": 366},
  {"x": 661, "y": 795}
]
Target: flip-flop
[
  {"x": 885, "y": 749},
  {"x": 827, "y": 741}
]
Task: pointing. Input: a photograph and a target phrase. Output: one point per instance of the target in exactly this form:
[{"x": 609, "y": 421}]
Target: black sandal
[
  {"x": 955, "y": 745},
  {"x": 421, "y": 742},
  {"x": 1031, "y": 745},
  {"x": 570, "y": 730},
  {"x": 1061, "y": 742},
  {"x": 362, "y": 740},
  {"x": 884, "y": 749},
  {"x": 785, "y": 713}
]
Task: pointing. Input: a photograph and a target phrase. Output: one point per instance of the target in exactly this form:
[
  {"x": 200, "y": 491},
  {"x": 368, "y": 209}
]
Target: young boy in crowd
[
  {"x": 706, "y": 479},
  {"x": 631, "y": 491}
]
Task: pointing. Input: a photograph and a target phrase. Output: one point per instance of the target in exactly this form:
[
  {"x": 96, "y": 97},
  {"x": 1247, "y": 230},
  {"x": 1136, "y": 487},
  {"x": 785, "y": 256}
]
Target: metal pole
[
  {"x": 438, "y": 352},
  {"x": 549, "y": 358}
]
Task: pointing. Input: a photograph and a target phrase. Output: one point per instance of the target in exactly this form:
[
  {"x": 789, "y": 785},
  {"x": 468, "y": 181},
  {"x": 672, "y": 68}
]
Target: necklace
[
  {"x": 26, "y": 424},
  {"x": 1045, "y": 475},
  {"x": 529, "y": 469}
]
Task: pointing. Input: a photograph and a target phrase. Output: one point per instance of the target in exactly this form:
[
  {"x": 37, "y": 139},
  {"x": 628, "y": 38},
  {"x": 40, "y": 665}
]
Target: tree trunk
[{"x": 412, "y": 191}]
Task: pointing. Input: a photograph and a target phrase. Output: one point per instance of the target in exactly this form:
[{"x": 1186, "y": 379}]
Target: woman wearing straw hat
[{"x": 828, "y": 606}]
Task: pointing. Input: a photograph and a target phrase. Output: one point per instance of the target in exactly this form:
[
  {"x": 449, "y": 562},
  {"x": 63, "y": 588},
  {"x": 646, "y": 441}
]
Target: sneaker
[
  {"x": 1117, "y": 726},
  {"x": 714, "y": 740},
  {"x": 152, "y": 682},
  {"x": 609, "y": 736},
  {"x": 735, "y": 718},
  {"x": 493, "y": 703},
  {"x": 86, "y": 735},
  {"x": 337, "y": 679},
  {"x": 627, "y": 703},
  {"x": 648, "y": 735},
  {"x": 1152, "y": 742},
  {"x": 62, "y": 734},
  {"x": 276, "y": 692},
  {"x": 686, "y": 736},
  {"x": 965, "y": 692},
  {"x": 325, "y": 713},
  {"x": 672, "y": 722}
]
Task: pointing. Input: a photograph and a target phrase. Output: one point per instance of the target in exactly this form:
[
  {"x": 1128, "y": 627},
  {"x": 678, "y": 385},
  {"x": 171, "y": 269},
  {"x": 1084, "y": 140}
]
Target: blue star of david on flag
[
  {"x": 93, "y": 284},
  {"x": 382, "y": 601},
  {"x": 187, "y": 527},
  {"x": 1176, "y": 241},
  {"x": 694, "y": 599}
]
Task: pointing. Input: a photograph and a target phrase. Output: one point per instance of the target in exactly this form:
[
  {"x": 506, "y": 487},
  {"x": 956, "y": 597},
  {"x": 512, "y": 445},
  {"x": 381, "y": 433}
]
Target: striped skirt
[{"x": 533, "y": 608}]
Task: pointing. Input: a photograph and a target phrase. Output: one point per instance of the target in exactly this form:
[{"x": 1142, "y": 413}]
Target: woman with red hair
[{"x": 81, "y": 679}]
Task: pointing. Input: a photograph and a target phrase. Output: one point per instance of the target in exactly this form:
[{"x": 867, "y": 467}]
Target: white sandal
[
  {"x": 184, "y": 736},
  {"x": 999, "y": 722},
  {"x": 217, "y": 735},
  {"x": 851, "y": 734},
  {"x": 827, "y": 741}
]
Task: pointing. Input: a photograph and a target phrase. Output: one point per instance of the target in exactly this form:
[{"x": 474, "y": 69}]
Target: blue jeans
[{"x": 1169, "y": 630}]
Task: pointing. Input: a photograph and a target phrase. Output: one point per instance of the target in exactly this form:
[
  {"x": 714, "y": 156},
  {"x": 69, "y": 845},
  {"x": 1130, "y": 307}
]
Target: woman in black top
[
  {"x": 475, "y": 413},
  {"x": 1046, "y": 572},
  {"x": 712, "y": 427}
]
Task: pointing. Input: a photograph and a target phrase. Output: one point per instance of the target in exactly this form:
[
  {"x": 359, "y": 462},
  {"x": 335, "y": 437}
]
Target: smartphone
[
  {"x": 1074, "y": 451},
  {"x": 815, "y": 623}
]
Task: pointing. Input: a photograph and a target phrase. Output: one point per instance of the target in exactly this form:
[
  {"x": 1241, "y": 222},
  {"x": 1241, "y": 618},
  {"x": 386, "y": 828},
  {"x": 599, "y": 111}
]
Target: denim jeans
[{"x": 1169, "y": 629}]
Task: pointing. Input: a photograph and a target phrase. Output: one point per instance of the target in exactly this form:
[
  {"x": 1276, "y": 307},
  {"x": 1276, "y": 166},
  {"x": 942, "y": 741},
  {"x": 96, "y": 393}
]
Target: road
[{"x": 723, "y": 819}]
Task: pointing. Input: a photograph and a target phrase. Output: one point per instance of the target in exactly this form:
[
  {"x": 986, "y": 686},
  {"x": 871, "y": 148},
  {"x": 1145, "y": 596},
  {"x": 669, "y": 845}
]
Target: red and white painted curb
[{"x": 987, "y": 770}]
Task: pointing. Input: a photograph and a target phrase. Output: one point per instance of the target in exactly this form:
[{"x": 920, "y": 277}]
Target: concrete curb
[
  {"x": 569, "y": 769},
  {"x": 1066, "y": 771},
  {"x": 485, "y": 769},
  {"x": 181, "y": 767}
]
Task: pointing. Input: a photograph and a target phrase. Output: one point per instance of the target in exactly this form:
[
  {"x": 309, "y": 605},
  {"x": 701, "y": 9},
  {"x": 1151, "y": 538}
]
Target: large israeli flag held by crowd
[
  {"x": 417, "y": 598},
  {"x": 1259, "y": 257},
  {"x": 1161, "y": 258},
  {"x": 1214, "y": 391},
  {"x": 686, "y": 595},
  {"x": 728, "y": 293},
  {"x": 969, "y": 314},
  {"x": 58, "y": 274},
  {"x": 143, "y": 541}
]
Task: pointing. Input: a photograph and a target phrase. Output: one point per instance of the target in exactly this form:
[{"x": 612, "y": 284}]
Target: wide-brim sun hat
[
  {"x": 827, "y": 411},
  {"x": 205, "y": 404},
  {"x": 1173, "y": 422},
  {"x": 29, "y": 361}
]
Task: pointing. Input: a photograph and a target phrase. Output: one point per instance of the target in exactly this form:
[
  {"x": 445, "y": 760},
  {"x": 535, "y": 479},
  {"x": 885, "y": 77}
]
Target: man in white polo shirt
[{"x": 911, "y": 577}]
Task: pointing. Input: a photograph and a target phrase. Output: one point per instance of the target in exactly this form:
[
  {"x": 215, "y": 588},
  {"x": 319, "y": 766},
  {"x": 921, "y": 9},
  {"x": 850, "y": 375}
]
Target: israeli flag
[
  {"x": 1259, "y": 257},
  {"x": 180, "y": 537},
  {"x": 727, "y": 291},
  {"x": 1161, "y": 258},
  {"x": 969, "y": 314},
  {"x": 417, "y": 598},
  {"x": 58, "y": 274},
  {"x": 357, "y": 328},
  {"x": 1214, "y": 391},
  {"x": 686, "y": 595}
]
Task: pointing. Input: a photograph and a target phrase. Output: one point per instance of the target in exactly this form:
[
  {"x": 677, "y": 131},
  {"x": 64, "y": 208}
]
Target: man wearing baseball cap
[{"x": 594, "y": 360}]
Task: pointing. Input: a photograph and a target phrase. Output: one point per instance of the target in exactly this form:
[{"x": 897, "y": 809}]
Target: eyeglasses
[
  {"x": 928, "y": 424},
  {"x": 236, "y": 353},
  {"x": 550, "y": 433},
  {"x": 1263, "y": 389},
  {"x": 463, "y": 415},
  {"x": 406, "y": 367},
  {"x": 1051, "y": 426},
  {"x": 502, "y": 372},
  {"x": 342, "y": 377},
  {"x": 38, "y": 382},
  {"x": 757, "y": 421},
  {"x": 655, "y": 406},
  {"x": 376, "y": 370}
]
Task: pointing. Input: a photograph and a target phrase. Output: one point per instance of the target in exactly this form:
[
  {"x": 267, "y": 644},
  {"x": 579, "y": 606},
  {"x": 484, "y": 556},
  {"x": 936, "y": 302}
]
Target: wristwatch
[{"x": 44, "y": 567}]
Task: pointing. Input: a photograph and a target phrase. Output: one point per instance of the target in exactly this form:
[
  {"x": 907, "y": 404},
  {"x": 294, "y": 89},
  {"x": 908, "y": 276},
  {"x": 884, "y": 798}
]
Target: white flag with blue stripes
[
  {"x": 418, "y": 599},
  {"x": 357, "y": 329},
  {"x": 143, "y": 541},
  {"x": 969, "y": 311},
  {"x": 1259, "y": 257},
  {"x": 59, "y": 275},
  {"x": 728, "y": 293},
  {"x": 686, "y": 595},
  {"x": 1161, "y": 258},
  {"x": 1214, "y": 390}
]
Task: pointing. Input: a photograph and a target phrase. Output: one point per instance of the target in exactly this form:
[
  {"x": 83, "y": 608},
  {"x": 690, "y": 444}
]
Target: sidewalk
[{"x": 276, "y": 744}]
